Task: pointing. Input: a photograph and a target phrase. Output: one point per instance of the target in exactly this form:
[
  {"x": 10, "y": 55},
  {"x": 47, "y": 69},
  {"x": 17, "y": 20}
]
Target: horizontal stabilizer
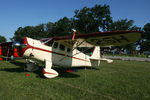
[{"x": 104, "y": 59}]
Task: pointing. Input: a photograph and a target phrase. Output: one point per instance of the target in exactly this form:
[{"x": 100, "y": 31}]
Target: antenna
[{"x": 74, "y": 30}]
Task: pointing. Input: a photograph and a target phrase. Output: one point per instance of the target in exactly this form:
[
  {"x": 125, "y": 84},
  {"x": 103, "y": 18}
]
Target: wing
[{"x": 114, "y": 38}]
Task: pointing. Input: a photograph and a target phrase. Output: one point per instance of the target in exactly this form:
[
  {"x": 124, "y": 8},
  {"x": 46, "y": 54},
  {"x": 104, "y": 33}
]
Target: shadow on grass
[
  {"x": 61, "y": 70},
  {"x": 19, "y": 69}
]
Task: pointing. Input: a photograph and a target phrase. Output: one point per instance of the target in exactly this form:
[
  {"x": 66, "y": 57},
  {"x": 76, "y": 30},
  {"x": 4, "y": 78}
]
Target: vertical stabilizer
[
  {"x": 96, "y": 53},
  {"x": 95, "y": 57}
]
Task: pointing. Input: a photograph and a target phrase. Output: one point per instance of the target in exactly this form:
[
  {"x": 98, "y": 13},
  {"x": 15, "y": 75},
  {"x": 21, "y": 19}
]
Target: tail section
[
  {"x": 96, "y": 53},
  {"x": 95, "y": 57}
]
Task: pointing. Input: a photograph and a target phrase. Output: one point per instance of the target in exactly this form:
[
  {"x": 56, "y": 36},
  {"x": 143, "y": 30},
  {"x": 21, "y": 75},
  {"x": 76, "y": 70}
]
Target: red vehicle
[{"x": 6, "y": 49}]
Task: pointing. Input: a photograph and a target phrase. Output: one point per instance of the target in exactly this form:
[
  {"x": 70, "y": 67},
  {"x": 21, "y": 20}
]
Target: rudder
[{"x": 95, "y": 57}]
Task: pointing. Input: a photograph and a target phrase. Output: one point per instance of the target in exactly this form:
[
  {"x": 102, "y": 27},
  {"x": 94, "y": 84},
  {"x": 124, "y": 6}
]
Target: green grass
[
  {"x": 127, "y": 55},
  {"x": 122, "y": 80}
]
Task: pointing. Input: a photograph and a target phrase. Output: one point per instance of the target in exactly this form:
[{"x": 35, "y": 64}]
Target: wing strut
[{"x": 78, "y": 45}]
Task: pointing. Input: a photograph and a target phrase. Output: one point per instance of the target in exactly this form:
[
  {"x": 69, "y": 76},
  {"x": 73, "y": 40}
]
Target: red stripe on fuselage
[{"x": 31, "y": 47}]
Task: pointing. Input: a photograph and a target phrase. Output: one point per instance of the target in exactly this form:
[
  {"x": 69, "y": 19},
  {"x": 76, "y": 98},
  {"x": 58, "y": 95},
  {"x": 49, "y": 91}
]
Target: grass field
[{"x": 122, "y": 80}]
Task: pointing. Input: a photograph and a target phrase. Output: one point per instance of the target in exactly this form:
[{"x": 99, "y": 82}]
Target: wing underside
[{"x": 104, "y": 39}]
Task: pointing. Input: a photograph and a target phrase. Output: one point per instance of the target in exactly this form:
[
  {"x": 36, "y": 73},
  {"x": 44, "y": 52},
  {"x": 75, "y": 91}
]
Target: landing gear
[{"x": 48, "y": 72}]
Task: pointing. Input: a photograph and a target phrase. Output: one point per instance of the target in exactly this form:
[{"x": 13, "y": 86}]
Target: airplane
[{"x": 66, "y": 50}]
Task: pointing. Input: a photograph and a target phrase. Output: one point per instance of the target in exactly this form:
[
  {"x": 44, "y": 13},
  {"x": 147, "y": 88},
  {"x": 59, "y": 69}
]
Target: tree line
[{"x": 86, "y": 20}]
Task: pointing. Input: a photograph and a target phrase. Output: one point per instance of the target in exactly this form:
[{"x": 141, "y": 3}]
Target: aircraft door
[{"x": 61, "y": 55}]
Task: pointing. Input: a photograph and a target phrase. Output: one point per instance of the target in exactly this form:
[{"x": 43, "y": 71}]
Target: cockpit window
[
  {"x": 49, "y": 43},
  {"x": 86, "y": 50},
  {"x": 68, "y": 49},
  {"x": 62, "y": 47},
  {"x": 55, "y": 45}
]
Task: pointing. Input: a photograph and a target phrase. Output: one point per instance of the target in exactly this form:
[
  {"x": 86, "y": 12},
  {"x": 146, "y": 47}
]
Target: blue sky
[{"x": 16, "y": 13}]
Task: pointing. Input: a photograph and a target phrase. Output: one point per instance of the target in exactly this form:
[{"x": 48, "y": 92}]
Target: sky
[{"x": 21, "y": 13}]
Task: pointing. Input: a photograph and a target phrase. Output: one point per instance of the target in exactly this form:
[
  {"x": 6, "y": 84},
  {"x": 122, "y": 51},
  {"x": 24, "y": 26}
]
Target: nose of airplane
[
  {"x": 19, "y": 46},
  {"x": 16, "y": 44}
]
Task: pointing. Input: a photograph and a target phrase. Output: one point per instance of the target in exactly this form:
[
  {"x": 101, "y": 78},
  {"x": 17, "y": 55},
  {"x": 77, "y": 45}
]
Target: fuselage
[{"x": 56, "y": 53}]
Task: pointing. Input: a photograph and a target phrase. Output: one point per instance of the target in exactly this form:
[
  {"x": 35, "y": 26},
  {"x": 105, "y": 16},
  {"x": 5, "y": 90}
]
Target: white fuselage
[{"x": 57, "y": 53}]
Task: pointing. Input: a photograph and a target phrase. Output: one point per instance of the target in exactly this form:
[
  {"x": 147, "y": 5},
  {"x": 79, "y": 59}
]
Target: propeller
[
  {"x": 17, "y": 44},
  {"x": 19, "y": 47}
]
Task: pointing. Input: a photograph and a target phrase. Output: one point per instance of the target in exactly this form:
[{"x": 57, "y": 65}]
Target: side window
[
  {"x": 55, "y": 45},
  {"x": 50, "y": 43},
  {"x": 62, "y": 47},
  {"x": 68, "y": 49}
]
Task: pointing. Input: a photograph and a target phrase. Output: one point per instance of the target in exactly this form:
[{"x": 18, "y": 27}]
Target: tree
[
  {"x": 63, "y": 27},
  {"x": 145, "y": 41},
  {"x": 40, "y": 32},
  {"x": 147, "y": 31},
  {"x": 123, "y": 24},
  {"x": 36, "y": 32},
  {"x": 27, "y": 31},
  {"x": 93, "y": 19},
  {"x": 145, "y": 46},
  {"x": 50, "y": 29},
  {"x": 59, "y": 28},
  {"x": 2, "y": 39}
]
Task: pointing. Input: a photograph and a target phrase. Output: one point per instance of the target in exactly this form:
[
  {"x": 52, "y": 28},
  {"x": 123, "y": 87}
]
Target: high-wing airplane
[{"x": 66, "y": 50}]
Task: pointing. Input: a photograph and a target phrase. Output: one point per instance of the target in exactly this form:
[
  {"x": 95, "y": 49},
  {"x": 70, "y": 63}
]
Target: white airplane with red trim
[{"x": 66, "y": 50}]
